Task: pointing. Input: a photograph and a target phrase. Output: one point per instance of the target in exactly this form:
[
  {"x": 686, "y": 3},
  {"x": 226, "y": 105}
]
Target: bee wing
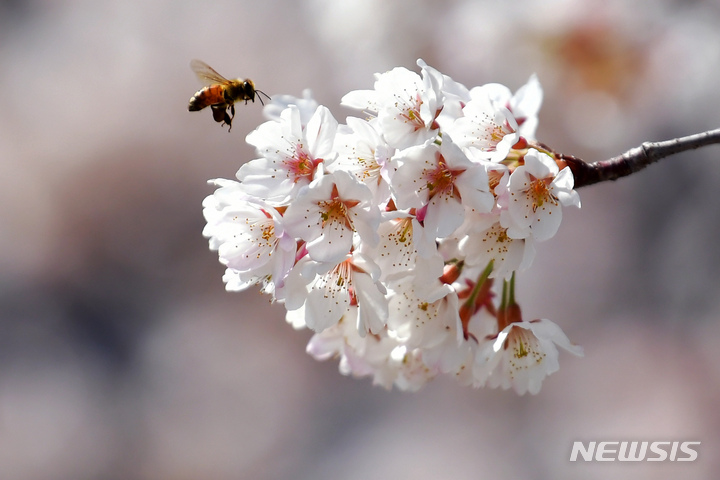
[{"x": 206, "y": 74}]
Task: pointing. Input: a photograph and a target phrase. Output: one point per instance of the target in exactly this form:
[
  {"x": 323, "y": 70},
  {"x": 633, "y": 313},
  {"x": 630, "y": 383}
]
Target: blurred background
[{"x": 121, "y": 355}]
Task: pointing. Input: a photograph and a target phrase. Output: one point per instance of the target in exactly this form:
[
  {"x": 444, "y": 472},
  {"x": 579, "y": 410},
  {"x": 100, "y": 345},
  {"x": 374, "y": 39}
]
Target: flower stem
[
  {"x": 479, "y": 284},
  {"x": 636, "y": 158}
]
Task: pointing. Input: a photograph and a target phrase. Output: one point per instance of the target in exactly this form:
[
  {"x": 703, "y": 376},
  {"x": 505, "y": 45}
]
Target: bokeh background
[{"x": 121, "y": 355}]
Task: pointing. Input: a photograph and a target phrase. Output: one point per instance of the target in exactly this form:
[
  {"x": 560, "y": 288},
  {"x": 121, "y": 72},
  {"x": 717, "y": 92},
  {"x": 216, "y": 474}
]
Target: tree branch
[{"x": 635, "y": 159}]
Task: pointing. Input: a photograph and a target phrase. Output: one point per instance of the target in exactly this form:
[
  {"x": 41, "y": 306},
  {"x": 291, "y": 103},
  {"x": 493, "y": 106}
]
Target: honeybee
[{"x": 220, "y": 94}]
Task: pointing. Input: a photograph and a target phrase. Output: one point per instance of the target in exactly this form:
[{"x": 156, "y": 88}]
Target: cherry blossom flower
[
  {"x": 395, "y": 252},
  {"x": 290, "y": 153},
  {"x": 406, "y": 105},
  {"x": 538, "y": 190},
  {"x": 328, "y": 213},
  {"x": 427, "y": 319},
  {"x": 524, "y": 104},
  {"x": 424, "y": 318},
  {"x": 250, "y": 238},
  {"x": 487, "y": 127},
  {"x": 522, "y": 355},
  {"x": 491, "y": 243},
  {"x": 306, "y": 106},
  {"x": 383, "y": 358},
  {"x": 327, "y": 291},
  {"x": 444, "y": 182},
  {"x": 386, "y": 236},
  {"x": 455, "y": 96},
  {"x": 363, "y": 152}
]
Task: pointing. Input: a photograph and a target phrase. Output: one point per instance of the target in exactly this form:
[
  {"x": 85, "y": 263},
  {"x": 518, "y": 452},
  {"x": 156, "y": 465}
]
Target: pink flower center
[
  {"x": 411, "y": 113},
  {"x": 539, "y": 191},
  {"x": 302, "y": 165},
  {"x": 335, "y": 210},
  {"x": 441, "y": 180},
  {"x": 495, "y": 132}
]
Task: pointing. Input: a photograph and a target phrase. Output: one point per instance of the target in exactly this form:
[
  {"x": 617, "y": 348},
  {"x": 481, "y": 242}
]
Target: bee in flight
[{"x": 220, "y": 94}]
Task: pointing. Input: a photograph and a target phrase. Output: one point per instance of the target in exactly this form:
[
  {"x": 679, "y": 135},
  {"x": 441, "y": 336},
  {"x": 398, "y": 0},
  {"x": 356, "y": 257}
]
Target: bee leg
[{"x": 228, "y": 118}]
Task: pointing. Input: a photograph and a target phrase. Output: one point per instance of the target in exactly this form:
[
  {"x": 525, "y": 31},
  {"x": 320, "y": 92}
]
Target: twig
[{"x": 636, "y": 158}]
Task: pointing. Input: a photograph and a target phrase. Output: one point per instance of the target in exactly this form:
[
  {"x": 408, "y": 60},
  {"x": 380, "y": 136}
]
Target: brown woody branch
[{"x": 635, "y": 159}]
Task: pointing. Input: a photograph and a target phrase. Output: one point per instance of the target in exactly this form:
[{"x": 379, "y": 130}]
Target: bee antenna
[{"x": 260, "y": 98}]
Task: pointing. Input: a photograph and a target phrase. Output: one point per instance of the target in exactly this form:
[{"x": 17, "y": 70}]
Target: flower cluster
[{"x": 388, "y": 236}]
